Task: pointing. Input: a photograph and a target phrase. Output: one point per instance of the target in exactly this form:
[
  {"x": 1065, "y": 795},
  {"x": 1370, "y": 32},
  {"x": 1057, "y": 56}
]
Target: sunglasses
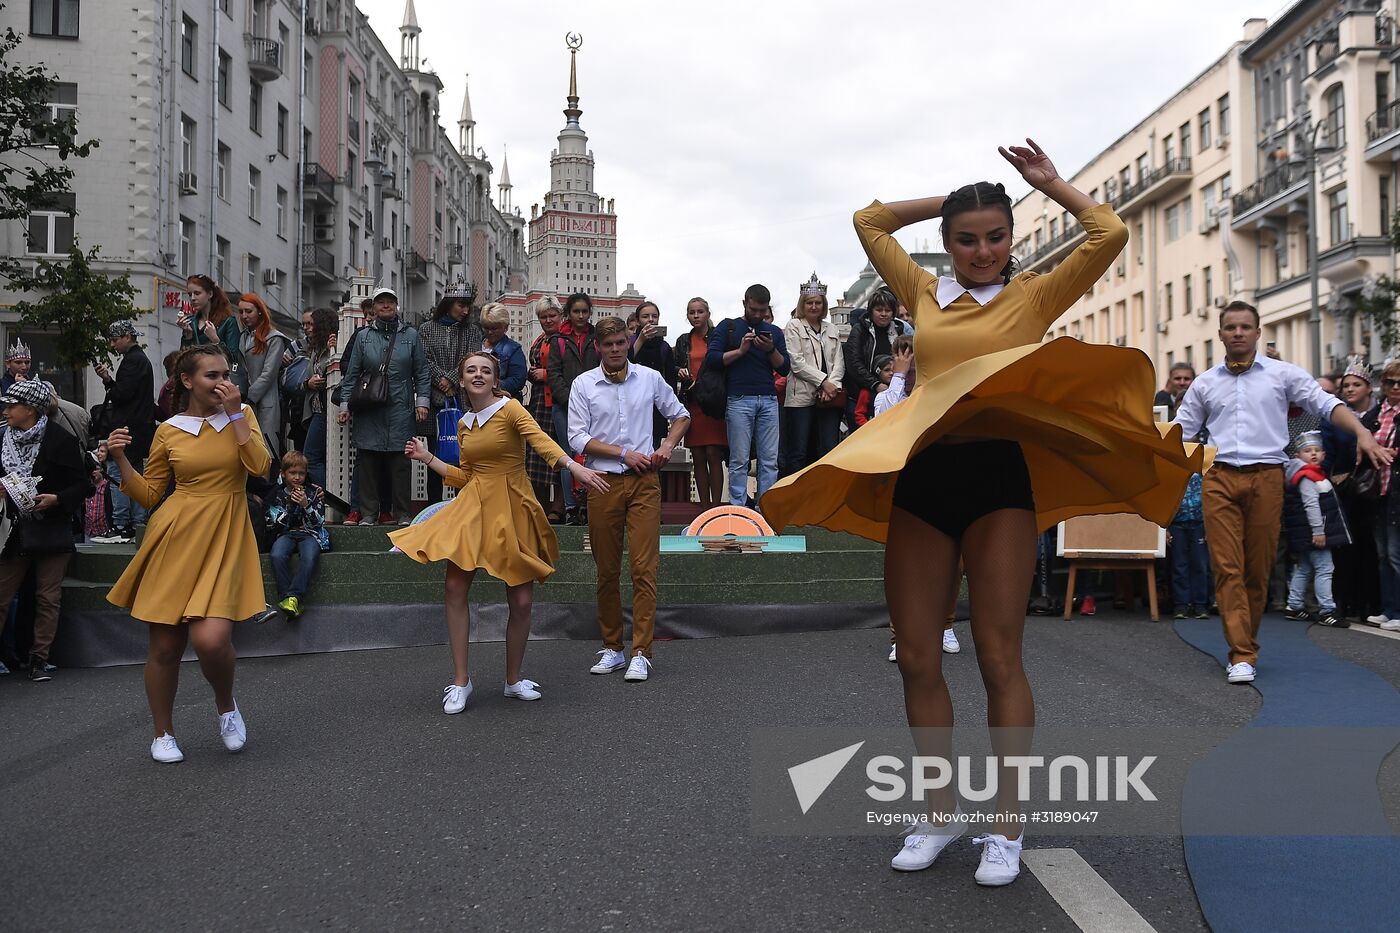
[{"x": 1390, "y": 382}]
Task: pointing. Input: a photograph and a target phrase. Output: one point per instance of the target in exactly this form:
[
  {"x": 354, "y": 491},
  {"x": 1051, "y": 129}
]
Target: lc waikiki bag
[
  {"x": 711, "y": 389},
  {"x": 372, "y": 388},
  {"x": 448, "y": 450}
]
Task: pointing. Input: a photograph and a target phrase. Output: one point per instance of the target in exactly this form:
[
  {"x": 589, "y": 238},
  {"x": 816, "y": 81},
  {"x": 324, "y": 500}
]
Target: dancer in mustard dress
[
  {"x": 495, "y": 523},
  {"x": 197, "y": 570},
  {"x": 1004, "y": 436}
]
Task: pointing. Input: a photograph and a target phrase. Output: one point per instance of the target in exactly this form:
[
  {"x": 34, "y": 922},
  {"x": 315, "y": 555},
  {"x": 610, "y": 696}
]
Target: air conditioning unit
[
  {"x": 325, "y": 234},
  {"x": 324, "y": 219},
  {"x": 189, "y": 183},
  {"x": 311, "y": 28},
  {"x": 1219, "y": 301},
  {"x": 1202, "y": 312},
  {"x": 1222, "y": 142},
  {"x": 269, "y": 276},
  {"x": 384, "y": 244},
  {"x": 1140, "y": 260},
  {"x": 1122, "y": 269},
  {"x": 1210, "y": 223},
  {"x": 1120, "y": 341},
  {"x": 398, "y": 255},
  {"x": 1161, "y": 327}
]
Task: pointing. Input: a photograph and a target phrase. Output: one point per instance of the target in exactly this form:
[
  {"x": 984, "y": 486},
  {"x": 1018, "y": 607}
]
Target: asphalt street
[{"x": 605, "y": 806}]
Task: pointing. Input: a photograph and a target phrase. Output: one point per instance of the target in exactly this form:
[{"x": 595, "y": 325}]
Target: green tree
[
  {"x": 31, "y": 177},
  {"x": 1379, "y": 301},
  {"x": 79, "y": 305}
]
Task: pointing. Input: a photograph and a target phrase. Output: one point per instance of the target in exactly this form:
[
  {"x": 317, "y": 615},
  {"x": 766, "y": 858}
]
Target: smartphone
[{"x": 661, "y": 330}]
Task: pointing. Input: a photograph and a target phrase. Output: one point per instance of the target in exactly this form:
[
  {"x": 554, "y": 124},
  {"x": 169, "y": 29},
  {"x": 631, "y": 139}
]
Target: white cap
[{"x": 384, "y": 291}]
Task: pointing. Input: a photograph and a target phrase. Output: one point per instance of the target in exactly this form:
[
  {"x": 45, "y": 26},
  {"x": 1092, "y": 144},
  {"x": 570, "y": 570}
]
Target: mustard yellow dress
[
  {"x": 199, "y": 556},
  {"x": 1081, "y": 412},
  {"x": 494, "y": 523}
]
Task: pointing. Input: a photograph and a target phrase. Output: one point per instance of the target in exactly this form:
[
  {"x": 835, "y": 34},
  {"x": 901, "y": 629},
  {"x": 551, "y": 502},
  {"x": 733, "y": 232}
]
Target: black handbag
[
  {"x": 372, "y": 388},
  {"x": 711, "y": 389}
]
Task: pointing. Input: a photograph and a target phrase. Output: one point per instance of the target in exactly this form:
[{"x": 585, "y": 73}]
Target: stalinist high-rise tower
[{"x": 573, "y": 235}]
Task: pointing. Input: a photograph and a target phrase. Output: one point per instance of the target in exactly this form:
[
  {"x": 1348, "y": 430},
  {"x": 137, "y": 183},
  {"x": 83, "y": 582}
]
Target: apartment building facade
[{"x": 1214, "y": 187}]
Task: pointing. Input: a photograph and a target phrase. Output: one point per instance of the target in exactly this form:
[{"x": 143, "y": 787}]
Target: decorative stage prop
[
  {"x": 731, "y": 529},
  {"x": 1111, "y": 542}
]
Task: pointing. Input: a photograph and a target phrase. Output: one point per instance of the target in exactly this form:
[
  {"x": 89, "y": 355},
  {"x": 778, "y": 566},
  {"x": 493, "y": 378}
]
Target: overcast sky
[{"x": 738, "y": 137}]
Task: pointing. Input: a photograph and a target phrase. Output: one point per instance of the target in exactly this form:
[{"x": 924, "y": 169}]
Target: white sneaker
[
  {"x": 892, "y": 657},
  {"x": 1001, "y": 860},
  {"x": 923, "y": 843},
  {"x": 1241, "y": 673},
  {"x": 1380, "y": 620},
  {"x": 164, "y": 750},
  {"x": 639, "y": 669},
  {"x": 523, "y": 690},
  {"x": 1391, "y": 625},
  {"x": 233, "y": 730},
  {"x": 454, "y": 698},
  {"x": 609, "y": 661},
  {"x": 950, "y": 642}
]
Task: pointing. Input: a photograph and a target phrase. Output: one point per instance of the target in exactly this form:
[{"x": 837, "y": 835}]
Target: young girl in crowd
[
  {"x": 296, "y": 512},
  {"x": 494, "y": 523},
  {"x": 210, "y": 319},
  {"x": 1027, "y": 432},
  {"x": 865, "y": 400},
  {"x": 1190, "y": 560},
  {"x": 197, "y": 569}
]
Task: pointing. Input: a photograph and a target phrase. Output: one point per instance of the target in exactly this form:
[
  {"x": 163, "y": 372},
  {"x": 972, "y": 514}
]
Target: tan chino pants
[
  {"x": 1243, "y": 508},
  {"x": 631, "y": 504},
  {"x": 48, "y": 591}
]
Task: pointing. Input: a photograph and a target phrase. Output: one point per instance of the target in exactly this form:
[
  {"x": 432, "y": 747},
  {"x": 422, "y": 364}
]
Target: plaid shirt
[
  {"x": 445, "y": 345},
  {"x": 1385, "y": 435}
]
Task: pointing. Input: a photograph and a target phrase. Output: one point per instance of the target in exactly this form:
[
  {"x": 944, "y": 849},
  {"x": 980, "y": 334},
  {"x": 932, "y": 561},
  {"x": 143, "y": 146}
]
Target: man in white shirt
[
  {"x": 610, "y": 421},
  {"x": 1243, "y": 406}
]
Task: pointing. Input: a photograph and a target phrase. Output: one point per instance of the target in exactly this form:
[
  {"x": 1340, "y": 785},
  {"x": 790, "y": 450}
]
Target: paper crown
[
  {"x": 20, "y": 351},
  {"x": 813, "y": 286},
  {"x": 23, "y": 490},
  {"x": 1356, "y": 366},
  {"x": 1308, "y": 439},
  {"x": 461, "y": 288}
]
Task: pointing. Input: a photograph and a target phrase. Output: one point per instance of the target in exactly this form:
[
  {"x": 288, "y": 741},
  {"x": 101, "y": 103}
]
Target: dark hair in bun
[{"x": 975, "y": 197}]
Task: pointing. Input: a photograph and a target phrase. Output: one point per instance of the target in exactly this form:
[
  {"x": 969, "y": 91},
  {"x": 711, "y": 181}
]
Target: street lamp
[
  {"x": 373, "y": 164},
  {"x": 1315, "y": 313}
]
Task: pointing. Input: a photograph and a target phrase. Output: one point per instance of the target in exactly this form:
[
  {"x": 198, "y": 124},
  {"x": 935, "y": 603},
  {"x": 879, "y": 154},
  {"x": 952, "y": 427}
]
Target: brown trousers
[
  {"x": 48, "y": 591},
  {"x": 1243, "y": 508},
  {"x": 631, "y": 504}
]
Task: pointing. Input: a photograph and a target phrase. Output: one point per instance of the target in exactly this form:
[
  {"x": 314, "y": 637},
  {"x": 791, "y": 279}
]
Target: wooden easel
[
  {"x": 1111, "y": 542},
  {"x": 1077, "y": 563}
]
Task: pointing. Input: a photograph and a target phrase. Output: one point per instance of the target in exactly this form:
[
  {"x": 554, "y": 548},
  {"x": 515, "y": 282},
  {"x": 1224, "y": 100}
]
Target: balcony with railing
[
  {"x": 1276, "y": 193},
  {"x": 454, "y": 254},
  {"x": 1163, "y": 180},
  {"x": 1052, "y": 250},
  {"x": 264, "y": 59},
  {"x": 317, "y": 185},
  {"x": 416, "y": 266},
  {"x": 1383, "y": 133},
  {"x": 317, "y": 262}
]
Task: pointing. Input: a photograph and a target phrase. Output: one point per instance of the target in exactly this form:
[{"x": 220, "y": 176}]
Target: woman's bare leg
[
  {"x": 162, "y": 673},
  {"x": 519, "y": 600},
  {"x": 459, "y": 623},
  {"x": 213, "y": 643},
  {"x": 699, "y": 457}
]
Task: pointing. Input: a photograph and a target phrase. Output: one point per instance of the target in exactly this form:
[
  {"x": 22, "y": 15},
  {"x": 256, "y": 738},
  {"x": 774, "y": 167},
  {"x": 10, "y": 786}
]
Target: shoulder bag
[
  {"x": 711, "y": 390},
  {"x": 372, "y": 388},
  {"x": 838, "y": 400}
]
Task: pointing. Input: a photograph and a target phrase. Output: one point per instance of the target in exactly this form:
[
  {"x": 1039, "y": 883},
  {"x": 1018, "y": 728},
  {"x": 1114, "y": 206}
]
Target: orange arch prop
[{"x": 730, "y": 520}]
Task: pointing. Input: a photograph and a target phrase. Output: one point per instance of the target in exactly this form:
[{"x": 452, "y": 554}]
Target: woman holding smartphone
[
  {"x": 210, "y": 318},
  {"x": 651, "y": 350},
  {"x": 197, "y": 569}
]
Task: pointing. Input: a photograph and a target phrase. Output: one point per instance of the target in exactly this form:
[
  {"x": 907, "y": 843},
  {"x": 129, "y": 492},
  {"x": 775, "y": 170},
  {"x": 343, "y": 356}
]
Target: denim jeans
[
  {"x": 1315, "y": 565},
  {"x": 126, "y": 512},
  {"x": 282, "y": 550},
  {"x": 808, "y": 434},
  {"x": 560, "y": 416},
  {"x": 751, "y": 422},
  {"x": 1190, "y": 565},
  {"x": 315, "y": 450},
  {"x": 1388, "y": 556}
]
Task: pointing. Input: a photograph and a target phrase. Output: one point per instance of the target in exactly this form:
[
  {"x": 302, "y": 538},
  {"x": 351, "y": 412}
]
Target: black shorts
[{"x": 950, "y": 486}]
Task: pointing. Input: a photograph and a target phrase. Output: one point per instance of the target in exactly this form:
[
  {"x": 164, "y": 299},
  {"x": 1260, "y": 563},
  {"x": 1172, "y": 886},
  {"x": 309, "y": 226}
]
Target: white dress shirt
[
  {"x": 892, "y": 396},
  {"x": 950, "y": 290},
  {"x": 1246, "y": 416},
  {"x": 619, "y": 413}
]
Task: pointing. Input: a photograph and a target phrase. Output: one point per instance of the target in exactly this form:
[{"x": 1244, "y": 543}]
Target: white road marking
[
  {"x": 1082, "y": 893},
  {"x": 1371, "y": 630}
]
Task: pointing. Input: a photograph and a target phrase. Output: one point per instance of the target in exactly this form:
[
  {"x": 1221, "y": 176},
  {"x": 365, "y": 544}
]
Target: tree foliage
[
  {"x": 1379, "y": 301},
  {"x": 79, "y": 305}
]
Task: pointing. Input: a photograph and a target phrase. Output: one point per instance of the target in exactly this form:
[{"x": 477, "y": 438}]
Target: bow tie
[{"x": 1240, "y": 367}]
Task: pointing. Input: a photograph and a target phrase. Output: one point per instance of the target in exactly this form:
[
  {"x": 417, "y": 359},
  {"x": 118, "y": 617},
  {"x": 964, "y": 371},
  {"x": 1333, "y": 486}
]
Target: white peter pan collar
[
  {"x": 475, "y": 419},
  {"x": 192, "y": 425},
  {"x": 950, "y": 290}
]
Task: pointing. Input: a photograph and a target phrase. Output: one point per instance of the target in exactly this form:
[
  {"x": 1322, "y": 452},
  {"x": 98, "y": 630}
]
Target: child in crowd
[
  {"x": 95, "y": 512},
  {"x": 1313, "y": 525},
  {"x": 865, "y": 401},
  {"x": 1190, "y": 561},
  {"x": 897, "y": 375},
  {"x": 297, "y": 514}
]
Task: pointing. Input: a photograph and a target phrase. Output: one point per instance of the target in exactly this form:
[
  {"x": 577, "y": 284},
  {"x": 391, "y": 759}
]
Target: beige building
[{"x": 1213, "y": 186}]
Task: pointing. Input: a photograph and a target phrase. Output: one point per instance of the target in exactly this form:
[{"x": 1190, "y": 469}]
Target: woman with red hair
[{"x": 260, "y": 358}]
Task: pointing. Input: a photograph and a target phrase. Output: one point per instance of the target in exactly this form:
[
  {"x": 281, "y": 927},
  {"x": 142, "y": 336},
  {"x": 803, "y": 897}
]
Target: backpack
[
  {"x": 711, "y": 389},
  {"x": 292, "y": 382}
]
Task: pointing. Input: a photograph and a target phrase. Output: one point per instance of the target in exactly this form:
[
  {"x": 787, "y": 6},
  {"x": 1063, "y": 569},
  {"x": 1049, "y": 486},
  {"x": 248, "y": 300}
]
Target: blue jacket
[
  {"x": 513, "y": 366},
  {"x": 1190, "y": 509},
  {"x": 752, "y": 373}
]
